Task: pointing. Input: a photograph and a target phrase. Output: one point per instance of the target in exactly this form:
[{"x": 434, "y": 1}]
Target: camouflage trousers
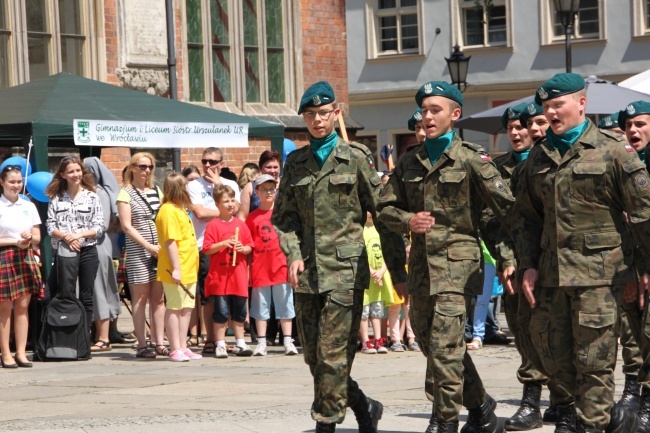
[
  {"x": 328, "y": 325},
  {"x": 639, "y": 325},
  {"x": 631, "y": 337},
  {"x": 574, "y": 331},
  {"x": 531, "y": 370},
  {"x": 438, "y": 323}
]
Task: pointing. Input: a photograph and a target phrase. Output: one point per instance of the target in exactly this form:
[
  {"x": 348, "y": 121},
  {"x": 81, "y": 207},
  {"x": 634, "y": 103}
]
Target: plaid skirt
[{"x": 20, "y": 274}]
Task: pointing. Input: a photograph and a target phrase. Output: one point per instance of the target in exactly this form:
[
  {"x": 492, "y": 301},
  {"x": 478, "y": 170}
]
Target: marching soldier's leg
[
  {"x": 595, "y": 316},
  {"x": 644, "y": 373},
  {"x": 631, "y": 338}
]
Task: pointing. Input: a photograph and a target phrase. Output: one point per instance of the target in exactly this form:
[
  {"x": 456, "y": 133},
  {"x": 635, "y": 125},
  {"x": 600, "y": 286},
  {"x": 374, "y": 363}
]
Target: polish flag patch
[
  {"x": 629, "y": 148},
  {"x": 485, "y": 157}
]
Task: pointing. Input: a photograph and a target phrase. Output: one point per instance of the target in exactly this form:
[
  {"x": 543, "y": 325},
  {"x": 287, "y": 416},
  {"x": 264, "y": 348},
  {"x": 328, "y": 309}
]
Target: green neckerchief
[
  {"x": 322, "y": 147},
  {"x": 564, "y": 142},
  {"x": 520, "y": 156},
  {"x": 642, "y": 155},
  {"x": 436, "y": 146}
]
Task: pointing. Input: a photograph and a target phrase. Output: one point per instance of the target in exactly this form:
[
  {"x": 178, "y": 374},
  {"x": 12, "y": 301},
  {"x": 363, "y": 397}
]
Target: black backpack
[{"x": 65, "y": 335}]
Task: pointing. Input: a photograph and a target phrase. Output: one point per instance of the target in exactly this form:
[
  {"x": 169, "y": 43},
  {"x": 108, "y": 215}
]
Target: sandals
[
  {"x": 162, "y": 350},
  {"x": 145, "y": 352},
  {"x": 192, "y": 340},
  {"x": 202, "y": 340},
  {"x": 475, "y": 344},
  {"x": 209, "y": 348},
  {"x": 101, "y": 346}
]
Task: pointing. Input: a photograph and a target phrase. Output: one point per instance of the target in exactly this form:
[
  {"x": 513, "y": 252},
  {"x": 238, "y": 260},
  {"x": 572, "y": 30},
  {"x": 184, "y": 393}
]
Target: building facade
[
  {"x": 394, "y": 46},
  {"x": 252, "y": 57}
]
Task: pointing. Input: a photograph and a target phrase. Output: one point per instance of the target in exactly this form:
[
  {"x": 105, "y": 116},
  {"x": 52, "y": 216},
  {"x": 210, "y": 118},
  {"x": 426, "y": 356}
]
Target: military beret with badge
[
  {"x": 533, "y": 109},
  {"x": 632, "y": 110},
  {"x": 438, "y": 88},
  {"x": 512, "y": 113},
  {"x": 320, "y": 93},
  {"x": 609, "y": 122},
  {"x": 561, "y": 84},
  {"x": 414, "y": 119}
]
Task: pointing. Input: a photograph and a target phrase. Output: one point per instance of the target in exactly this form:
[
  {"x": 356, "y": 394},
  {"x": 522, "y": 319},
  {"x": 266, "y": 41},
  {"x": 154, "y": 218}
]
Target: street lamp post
[
  {"x": 458, "y": 65},
  {"x": 566, "y": 11}
]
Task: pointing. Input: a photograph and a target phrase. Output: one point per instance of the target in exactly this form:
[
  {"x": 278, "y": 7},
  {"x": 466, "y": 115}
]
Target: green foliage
[{"x": 487, "y": 5}]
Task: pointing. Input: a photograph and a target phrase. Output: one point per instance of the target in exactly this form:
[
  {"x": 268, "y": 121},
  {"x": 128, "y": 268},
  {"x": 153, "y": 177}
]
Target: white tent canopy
[{"x": 639, "y": 82}]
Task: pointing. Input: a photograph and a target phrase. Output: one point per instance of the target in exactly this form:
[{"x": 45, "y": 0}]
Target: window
[
  {"x": 240, "y": 55},
  {"x": 56, "y": 36},
  {"x": 641, "y": 11},
  {"x": 394, "y": 27},
  {"x": 589, "y": 22},
  {"x": 586, "y": 22},
  {"x": 476, "y": 26}
]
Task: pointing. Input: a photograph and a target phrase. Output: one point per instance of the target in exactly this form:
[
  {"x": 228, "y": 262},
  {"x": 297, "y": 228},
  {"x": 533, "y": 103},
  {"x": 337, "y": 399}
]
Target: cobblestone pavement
[{"x": 115, "y": 392}]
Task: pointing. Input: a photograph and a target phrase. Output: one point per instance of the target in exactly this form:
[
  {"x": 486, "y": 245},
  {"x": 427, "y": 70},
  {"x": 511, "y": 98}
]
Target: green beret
[
  {"x": 632, "y": 110},
  {"x": 512, "y": 113},
  {"x": 560, "y": 85},
  {"x": 533, "y": 109},
  {"x": 609, "y": 122},
  {"x": 439, "y": 88},
  {"x": 317, "y": 94},
  {"x": 414, "y": 119}
]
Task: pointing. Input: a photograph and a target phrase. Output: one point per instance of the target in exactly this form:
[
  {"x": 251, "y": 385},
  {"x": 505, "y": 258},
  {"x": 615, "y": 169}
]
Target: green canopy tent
[{"x": 45, "y": 109}]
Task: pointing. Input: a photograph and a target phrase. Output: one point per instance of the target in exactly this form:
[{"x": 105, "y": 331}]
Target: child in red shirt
[
  {"x": 269, "y": 270},
  {"x": 225, "y": 283}
]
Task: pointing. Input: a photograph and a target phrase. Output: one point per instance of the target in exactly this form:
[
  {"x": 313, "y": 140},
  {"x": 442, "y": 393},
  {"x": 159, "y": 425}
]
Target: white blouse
[{"x": 16, "y": 218}]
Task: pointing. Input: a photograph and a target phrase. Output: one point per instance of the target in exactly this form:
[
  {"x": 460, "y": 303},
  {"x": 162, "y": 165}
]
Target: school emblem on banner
[{"x": 83, "y": 132}]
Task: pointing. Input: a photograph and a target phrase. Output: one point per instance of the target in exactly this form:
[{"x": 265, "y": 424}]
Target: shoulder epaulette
[
  {"x": 473, "y": 146},
  {"x": 611, "y": 134},
  {"x": 360, "y": 147}
]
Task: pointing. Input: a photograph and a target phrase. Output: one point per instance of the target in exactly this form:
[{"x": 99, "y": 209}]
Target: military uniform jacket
[
  {"x": 499, "y": 244},
  {"x": 569, "y": 220},
  {"x": 319, "y": 215},
  {"x": 447, "y": 258}
]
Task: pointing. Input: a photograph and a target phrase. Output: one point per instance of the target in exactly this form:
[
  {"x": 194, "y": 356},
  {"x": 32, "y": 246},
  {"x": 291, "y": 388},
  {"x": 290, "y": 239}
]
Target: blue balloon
[
  {"x": 24, "y": 197},
  {"x": 20, "y": 161},
  {"x": 37, "y": 184},
  {"x": 288, "y": 146}
]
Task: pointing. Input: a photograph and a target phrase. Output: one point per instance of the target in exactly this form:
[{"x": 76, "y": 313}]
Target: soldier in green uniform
[
  {"x": 574, "y": 248},
  {"x": 631, "y": 398},
  {"x": 634, "y": 120},
  {"x": 415, "y": 125},
  {"x": 326, "y": 190},
  {"x": 437, "y": 192}
]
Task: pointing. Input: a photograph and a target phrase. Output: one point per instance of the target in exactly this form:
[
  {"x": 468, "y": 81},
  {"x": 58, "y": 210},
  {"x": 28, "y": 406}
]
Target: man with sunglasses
[
  {"x": 204, "y": 211},
  {"x": 320, "y": 211}
]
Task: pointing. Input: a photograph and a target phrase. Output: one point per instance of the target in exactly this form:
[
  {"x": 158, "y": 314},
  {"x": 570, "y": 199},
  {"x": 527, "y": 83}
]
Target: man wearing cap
[
  {"x": 532, "y": 117},
  {"x": 437, "y": 192},
  {"x": 415, "y": 125},
  {"x": 611, "y": 122},
  {"x": 325, "y": 192},
  {"x": 574, "y": 247},
  {"x": 634, "y": 120}
]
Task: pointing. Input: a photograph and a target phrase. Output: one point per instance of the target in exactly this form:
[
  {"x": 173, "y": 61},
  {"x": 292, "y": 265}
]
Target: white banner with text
[{"x": 111, "y": 133}]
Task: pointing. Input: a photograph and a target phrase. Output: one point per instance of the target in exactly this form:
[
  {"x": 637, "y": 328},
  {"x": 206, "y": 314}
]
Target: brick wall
[{"x": 325, "y": 46}]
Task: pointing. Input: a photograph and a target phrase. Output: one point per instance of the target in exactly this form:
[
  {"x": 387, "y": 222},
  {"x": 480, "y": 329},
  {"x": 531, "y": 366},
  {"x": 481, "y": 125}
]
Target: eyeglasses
[
  {"x": 143, "y": 167},
  {"x": 211, "y": 161},
  {"x": 267, "y": 190},
  {"x": 9, "y": 168},
  {"x": 323, "y": 114},
  {"x": 70, "y": 159}
]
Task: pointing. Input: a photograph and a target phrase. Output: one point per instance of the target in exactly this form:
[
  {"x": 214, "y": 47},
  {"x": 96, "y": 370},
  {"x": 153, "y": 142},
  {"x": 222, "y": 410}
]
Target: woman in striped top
[{"x": 137, "y": 205}]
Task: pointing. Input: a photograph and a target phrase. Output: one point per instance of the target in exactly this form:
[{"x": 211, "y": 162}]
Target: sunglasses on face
[
  {"x": 211, "y": 161},
  {"x": 144, "y": 167}
]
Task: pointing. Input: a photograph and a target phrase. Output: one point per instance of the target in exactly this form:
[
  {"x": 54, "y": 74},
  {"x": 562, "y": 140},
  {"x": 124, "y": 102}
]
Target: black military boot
[
  {"x": 582, "y": 428},
  {"x": 447, "y": 427},
  {"x": 631, "y": 398},
  {"x": 528, "y": 416},
  {"x": 643, "y": 425},
  {"x": 482, "y": 419},
  {"x": 433, "y": 422},
  {"x": 325, "y": 428},
  {"x": 550, "y": 414},
  {"x": 566, "y": 419},
  {"x": 621, "y": 420},
  {"x": 368, "y": 413}
]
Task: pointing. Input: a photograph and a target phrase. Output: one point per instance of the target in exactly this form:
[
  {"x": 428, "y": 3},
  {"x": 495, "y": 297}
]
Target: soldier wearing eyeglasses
[
  {"x": 325, "y": 192},
  {"x": 204, "y": 211}
]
